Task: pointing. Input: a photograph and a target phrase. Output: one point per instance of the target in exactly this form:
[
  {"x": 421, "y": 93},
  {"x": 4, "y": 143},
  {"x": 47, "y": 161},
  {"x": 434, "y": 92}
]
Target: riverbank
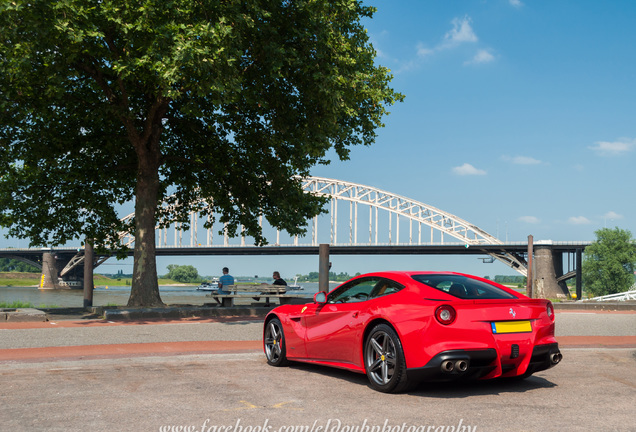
[
  {"x": 107, "y": 296},
  {"x": 15, "y": 279}
]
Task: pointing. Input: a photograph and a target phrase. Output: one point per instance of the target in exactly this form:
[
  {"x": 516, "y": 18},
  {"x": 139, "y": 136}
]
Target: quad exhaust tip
[
  {"x": 459, "y": 366},
  {"x": 555, "y": 358},
  {"x": 448, "y": 366}
]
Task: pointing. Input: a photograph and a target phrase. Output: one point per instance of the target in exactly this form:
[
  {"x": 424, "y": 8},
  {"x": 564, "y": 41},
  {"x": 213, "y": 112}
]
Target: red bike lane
[{"x": 202, "y": 347}]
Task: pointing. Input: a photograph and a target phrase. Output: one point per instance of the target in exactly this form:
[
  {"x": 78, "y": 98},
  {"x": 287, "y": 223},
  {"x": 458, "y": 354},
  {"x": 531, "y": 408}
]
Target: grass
[
  {"x": 100, "y": 280},
  {"x": 15, "y": 305},
  {"x": 19, "y": 279},
  {"x": 14, "y": 279},
  {"x": 22, "y": 305}
]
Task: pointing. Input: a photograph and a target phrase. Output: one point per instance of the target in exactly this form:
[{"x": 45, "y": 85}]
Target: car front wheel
[{"x": 384, "y": 360}]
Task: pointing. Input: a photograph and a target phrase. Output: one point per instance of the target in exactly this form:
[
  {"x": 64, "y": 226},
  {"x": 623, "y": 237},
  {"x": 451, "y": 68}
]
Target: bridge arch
[
  {"x": 386, "y": 213},
  {"x": 423, "y": 214}
]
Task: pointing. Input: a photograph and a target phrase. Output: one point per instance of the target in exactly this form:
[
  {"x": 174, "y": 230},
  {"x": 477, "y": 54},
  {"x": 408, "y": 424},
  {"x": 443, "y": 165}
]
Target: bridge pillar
[
  {"x": 547, "y": 269},
  {"x": 49, "y": 278},
  {"x": 52, "y": 264}
]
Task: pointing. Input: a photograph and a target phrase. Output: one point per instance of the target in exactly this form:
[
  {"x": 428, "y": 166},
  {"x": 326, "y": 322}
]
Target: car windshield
[{"x": 463, "y": 287}]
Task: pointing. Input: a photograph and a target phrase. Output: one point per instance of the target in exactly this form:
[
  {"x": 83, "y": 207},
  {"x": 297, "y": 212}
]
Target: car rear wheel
[
  {"x": 274, "y": 342},
  {"x": 384, "y": 360}
]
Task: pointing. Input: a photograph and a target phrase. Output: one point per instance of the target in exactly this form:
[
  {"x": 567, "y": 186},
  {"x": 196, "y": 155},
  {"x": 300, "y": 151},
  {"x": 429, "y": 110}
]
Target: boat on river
[
  {"x": 295, "y": 286},
  {"x": 209, "y": 286}
]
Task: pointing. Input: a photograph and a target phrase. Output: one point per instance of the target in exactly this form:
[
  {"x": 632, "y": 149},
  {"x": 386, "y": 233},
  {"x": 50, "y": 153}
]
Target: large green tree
[
  {"x": 183, "y": 273},
  {"x": 609, "y": 262},
  {"x": 215, "y": 106}
]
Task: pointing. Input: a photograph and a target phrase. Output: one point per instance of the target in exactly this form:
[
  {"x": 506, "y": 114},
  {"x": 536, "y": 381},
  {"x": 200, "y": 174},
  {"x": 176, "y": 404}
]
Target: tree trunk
[{"x": 145, "y": 288}]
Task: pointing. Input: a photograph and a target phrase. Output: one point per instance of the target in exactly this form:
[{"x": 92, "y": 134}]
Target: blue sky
[
  {"x": 520, "y": 117},
  {"x": 517, "y": 113}
]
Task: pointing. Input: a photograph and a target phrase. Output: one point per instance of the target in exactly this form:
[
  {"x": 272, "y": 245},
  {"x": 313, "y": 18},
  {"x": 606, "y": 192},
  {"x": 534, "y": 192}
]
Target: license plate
[{"x": 511, "y": 327}]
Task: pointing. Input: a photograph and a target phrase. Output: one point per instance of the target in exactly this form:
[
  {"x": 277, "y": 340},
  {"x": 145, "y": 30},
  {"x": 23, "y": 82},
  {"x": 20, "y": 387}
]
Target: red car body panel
[{"x": 334, "y": 333}]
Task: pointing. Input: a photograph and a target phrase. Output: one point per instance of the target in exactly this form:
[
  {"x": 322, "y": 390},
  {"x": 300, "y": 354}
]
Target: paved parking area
[
  {"x": 211, "y": 375},
  {"x": 591, "y": 390}
]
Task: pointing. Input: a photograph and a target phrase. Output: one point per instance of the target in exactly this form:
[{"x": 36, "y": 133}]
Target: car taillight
[
  {"x": 550, "y": 310},
  {"x": 445, "y": 314}
]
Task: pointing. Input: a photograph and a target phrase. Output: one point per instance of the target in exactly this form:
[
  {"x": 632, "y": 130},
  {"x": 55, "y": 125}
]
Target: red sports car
[{"x": 401, "y": 328}]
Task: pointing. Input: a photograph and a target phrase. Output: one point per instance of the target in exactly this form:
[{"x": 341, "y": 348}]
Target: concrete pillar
[
  {"x": 579, "y": 275},
  {"x": 546, "y": 268},
  {"x": 49, "y": 271},
  {"x": 323, "y": 267},
  {"x": 530, "y": 264},
  {"x": 88, "y": 274}
]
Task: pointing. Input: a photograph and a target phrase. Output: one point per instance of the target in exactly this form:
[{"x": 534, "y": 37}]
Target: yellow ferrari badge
[{"x": 304, "y": 309}]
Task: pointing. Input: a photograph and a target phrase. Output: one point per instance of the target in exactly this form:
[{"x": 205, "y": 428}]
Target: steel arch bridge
[{"x": 358, "y": 216}]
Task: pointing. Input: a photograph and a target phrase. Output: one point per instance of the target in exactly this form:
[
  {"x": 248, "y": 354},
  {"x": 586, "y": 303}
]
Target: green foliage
[
  {"x": 511, "y": 279},
  {"x": 609, "y": 262},
  {"x": 183, "y": 273},
  {"x": 13, "y": 265},
  {"x": 208, "y": 106},
  {"x": 341, "y": 277},
  {"x": 15, "y": 305}
]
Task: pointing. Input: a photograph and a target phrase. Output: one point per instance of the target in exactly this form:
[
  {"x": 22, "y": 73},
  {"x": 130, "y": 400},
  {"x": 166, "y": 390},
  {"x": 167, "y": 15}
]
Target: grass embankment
[
  {"x": 19, "y": 279},
  {"x": 100, "y": 281},
  {"x": 15, "y": 279}
]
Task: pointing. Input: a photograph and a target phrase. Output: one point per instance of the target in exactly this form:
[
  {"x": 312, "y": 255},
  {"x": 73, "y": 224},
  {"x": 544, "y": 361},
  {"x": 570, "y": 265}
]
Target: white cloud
[
  {"x": 482, "y": 56},
  {"x": 615, "y": 148},
  {"x": 516, "y": 3},
  {"x": 521, "y": 160},
  {"x": 423, "y": 51},
  {"x": 461, "y": 31},
  {"x": 468, "y": 169},
  {"x": 529, "y": 219},
  {"x": 525, "y": 160},
  {"x": 579, "y": 220},
  {"x": 612, "y": 215}
]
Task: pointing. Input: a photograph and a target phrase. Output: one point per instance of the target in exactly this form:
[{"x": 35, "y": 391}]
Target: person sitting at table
[
  {"x": 278, "y": 280},
  {"x": 224, "y": 281}
]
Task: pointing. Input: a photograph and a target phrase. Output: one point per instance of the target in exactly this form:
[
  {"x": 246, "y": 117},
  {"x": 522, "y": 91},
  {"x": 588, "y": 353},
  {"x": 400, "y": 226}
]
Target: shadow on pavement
[{"x": 449, "y": 390}]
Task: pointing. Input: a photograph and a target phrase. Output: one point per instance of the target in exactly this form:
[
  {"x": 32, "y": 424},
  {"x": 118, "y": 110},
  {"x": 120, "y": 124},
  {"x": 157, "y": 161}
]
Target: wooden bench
[{"x": 255, "y": 292}]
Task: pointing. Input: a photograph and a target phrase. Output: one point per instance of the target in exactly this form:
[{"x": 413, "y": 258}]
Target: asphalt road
[
  {"x": 232, "y": 389},
  {"x": 591, "y": 390},
  {"x": 102, "y": 333}
]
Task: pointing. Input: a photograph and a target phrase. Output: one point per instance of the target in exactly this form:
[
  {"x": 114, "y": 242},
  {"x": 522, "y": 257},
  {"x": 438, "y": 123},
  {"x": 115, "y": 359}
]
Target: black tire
[
  {"x": 274, "y": 343},
  {"x": 384, "y": 360}
]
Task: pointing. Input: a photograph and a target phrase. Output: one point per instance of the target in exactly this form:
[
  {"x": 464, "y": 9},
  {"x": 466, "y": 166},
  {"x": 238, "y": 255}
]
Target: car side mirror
[{"x": 320, "y": 297}]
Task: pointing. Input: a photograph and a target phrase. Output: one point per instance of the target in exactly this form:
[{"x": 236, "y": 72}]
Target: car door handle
[{"x": 355, "y": 315}]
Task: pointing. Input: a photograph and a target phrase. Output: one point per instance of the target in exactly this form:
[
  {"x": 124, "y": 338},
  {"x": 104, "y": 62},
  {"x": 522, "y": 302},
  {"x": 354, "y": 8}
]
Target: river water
[{"x": 117, "y": 296}]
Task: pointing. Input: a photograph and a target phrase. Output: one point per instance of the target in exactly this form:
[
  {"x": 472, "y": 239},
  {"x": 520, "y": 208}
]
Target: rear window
[{"x": 463, "y": 287}]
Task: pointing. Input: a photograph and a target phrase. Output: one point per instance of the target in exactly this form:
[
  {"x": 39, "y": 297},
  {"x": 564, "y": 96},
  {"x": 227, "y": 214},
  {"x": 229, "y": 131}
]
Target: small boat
[
  {"x": 209, "y": 286},
  {"x": 295, "y": 286}
]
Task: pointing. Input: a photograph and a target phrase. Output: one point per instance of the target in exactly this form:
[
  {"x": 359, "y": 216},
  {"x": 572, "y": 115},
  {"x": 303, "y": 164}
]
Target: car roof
[{"x": 402, "y": 273}]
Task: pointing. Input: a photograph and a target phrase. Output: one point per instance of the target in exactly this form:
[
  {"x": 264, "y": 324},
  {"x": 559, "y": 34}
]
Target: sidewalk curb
[
  {"x": 600, "y": 306},
  {"x": 189, "y": 311},
  {"x": 22, "y": 315},
  {"x": 184, "y": 312}
]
